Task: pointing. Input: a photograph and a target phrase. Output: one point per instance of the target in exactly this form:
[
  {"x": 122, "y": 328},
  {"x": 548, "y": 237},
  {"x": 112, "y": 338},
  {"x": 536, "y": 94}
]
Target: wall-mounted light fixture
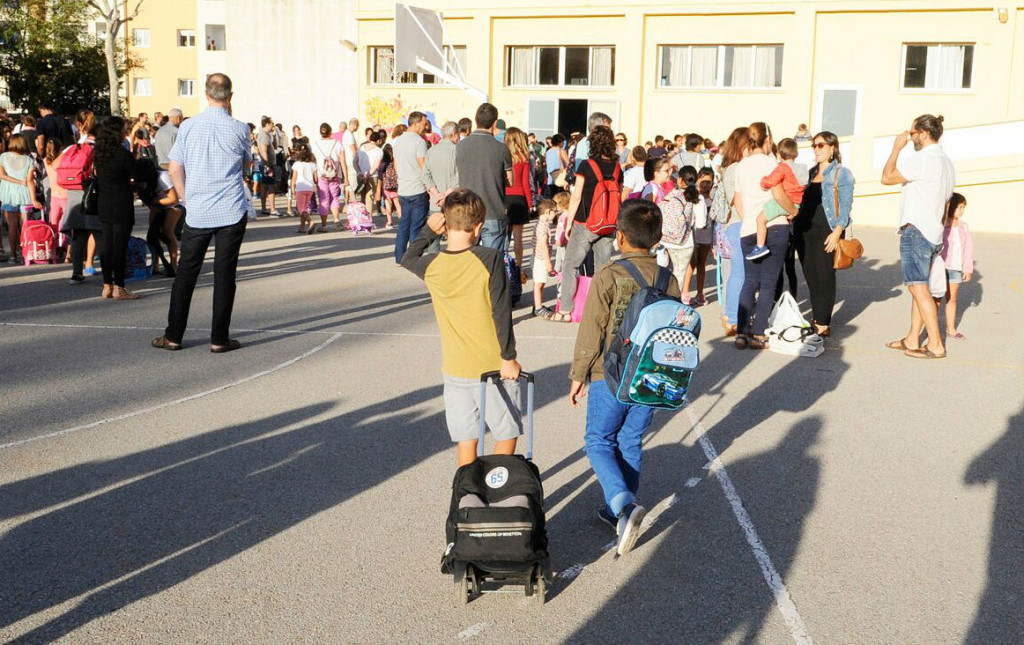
[
  {"x": 349, "y": 45},
  {"x": 1003, "y": 16}
]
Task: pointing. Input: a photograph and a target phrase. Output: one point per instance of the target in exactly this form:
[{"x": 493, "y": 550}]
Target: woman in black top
[
  {"x": 582, "y": 240},
  {"x": 115, "y": 171}
]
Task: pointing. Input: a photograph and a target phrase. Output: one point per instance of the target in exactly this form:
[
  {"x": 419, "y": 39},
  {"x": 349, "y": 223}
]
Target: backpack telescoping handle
[{"x": 496, "y": 377}]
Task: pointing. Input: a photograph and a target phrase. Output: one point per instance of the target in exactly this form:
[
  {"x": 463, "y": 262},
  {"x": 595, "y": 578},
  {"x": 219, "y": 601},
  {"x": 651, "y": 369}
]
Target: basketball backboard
[{"x": 420, "y": 47}]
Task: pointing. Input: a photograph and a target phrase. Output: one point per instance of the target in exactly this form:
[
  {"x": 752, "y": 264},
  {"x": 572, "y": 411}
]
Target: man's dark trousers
[{"x": 194, "y": 244}]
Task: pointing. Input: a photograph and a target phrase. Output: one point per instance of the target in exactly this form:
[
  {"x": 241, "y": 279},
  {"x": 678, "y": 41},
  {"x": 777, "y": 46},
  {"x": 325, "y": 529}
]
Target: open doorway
[{"x": 572, "y": 116}]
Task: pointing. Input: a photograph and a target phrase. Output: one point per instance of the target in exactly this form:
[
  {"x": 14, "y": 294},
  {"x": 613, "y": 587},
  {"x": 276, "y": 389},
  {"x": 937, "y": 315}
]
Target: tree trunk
[{"x": 108, "y": 50}]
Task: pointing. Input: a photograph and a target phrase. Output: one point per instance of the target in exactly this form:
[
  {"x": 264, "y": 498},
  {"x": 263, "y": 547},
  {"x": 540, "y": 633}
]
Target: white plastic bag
[
  {"x": 937, "y": 277},
  {"x": 250, "y": 212},
  {"x": 789, "y": 333}
]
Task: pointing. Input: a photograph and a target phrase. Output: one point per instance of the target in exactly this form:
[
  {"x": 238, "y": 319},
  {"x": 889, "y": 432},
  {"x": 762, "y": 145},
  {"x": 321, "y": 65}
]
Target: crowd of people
[{"x": 478, "y": 187}]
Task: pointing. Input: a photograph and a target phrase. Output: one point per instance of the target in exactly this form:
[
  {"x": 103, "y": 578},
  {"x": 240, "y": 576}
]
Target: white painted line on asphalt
[
  {"x": 193, "y": 397},
  {"x": 572, "y": 572},
  {"x": 473, "y": 630},
  {"x": 771, "y": 576}
]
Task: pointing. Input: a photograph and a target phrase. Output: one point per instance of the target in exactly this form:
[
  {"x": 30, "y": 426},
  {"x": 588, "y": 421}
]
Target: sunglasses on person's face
[
  {"x": 819, "y": 146},
  {"x": 620, "y": 141}
]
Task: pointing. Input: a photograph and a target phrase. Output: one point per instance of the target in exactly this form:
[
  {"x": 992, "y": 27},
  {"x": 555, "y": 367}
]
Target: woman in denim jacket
[{"x": 818, "y": 226}]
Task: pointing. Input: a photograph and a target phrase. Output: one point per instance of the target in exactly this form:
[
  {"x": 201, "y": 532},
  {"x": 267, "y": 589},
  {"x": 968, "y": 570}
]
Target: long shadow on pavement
[
  {"x": 701, "y": 583},
  {"x": 1000, "y": 616},
  {"x": 154, "y": 519}
]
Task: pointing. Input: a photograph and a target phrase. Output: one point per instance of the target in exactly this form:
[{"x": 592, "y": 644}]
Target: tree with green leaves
[{"x": 44, "y": 58}]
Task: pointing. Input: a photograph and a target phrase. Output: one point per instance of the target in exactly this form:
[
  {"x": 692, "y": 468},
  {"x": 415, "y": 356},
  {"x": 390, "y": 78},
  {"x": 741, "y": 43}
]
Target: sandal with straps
[{"x": 561, "y": 317}]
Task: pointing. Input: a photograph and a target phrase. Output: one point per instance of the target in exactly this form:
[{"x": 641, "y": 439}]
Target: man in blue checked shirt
[{"x": 206, "y": 165}]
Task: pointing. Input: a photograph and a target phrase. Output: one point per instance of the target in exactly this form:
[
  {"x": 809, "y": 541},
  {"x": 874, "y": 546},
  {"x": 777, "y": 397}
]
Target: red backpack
[
  {"x": 603, "y": 214},
  {"x": 75, "y": 166}
]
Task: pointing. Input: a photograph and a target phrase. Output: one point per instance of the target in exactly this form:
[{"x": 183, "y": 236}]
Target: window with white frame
[
  {"x": 186, "y": 38},
  {"x": 721, "y": 66},
  {"x": 142, "y": 86},
  {"x": 938, "y": 67},
  {"x": 560, "y": 66},
  {"x": 383, "y": 72},
  {"x": 186, "y": 87},
  {"x": 100, "y": 30},
  {"x": 140, "y": 37}
]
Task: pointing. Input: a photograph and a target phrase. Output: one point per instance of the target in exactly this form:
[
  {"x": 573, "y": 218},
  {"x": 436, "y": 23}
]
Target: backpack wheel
[
  {"x": 542, "y": 585},
  {"x": 474, "y": 580},
  {"x": 462, "y": 587}
]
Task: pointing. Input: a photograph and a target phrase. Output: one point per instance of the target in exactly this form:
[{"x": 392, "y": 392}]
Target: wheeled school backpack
[
  {"x": 496, "y": 529},
  {"x": 358, "y": 217},
  {"x": 139, "y": 260},
  {"x": 38, "y": 243},
  {"x": 654, "y": 352}
]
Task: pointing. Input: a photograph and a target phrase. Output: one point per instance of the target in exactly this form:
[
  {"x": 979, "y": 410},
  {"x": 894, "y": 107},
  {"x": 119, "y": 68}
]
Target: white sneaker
[{"x": 629, "y": 528}]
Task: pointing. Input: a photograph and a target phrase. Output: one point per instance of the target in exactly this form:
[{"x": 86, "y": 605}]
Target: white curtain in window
[
  {"x": 524, "y": 66},
  {"x": 704, "y": 67},
  {"x": 742, "y": 65},
  {"x": 673, "y": 66},
  {"x": 385, "y": 67},
  {"x": 456, "y": 59},
  {"x": 601, "y": 66},
  {"x": 764, "y": 67},
  {"x": 945, "y": 67}
]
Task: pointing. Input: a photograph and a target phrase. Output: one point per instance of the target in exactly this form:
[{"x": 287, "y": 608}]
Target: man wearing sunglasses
[{"x": 928, "y": 179}]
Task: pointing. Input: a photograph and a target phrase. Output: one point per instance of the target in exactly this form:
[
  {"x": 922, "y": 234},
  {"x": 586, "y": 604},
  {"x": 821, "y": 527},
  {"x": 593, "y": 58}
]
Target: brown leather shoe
[{"x": 120, "y": 293}]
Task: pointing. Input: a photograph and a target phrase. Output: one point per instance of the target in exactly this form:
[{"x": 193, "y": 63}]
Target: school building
[{"x": 860, "y": 68}]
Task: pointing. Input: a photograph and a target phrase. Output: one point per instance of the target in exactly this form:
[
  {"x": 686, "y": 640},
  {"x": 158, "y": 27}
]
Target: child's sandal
[{"x": 561, "y": 317}]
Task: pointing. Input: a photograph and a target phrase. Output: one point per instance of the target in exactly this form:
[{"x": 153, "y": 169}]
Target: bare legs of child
[
  {"x": 951, "y": 292},
  {"x": 467, "y": 450}
]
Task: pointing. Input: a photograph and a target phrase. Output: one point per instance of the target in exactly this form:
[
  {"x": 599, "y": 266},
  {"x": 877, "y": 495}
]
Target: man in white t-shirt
[
  {"x": 928, "y": 179},
  {"x": 348, "y": 142}
]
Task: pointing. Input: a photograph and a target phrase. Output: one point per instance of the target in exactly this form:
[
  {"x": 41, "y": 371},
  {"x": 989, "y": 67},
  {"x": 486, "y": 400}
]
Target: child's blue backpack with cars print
[{"x": 655, "y": 352}]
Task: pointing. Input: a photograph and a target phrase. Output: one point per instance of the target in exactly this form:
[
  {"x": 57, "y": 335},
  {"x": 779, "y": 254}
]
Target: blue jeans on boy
[
  {"x": 614, "y": 441},
  {"x": 414, "y": 216}
]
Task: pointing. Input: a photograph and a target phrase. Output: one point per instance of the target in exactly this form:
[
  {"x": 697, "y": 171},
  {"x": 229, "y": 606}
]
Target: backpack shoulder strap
[
  {"x": 661, "y": 282},
  {"x": 634, "y": 272}
]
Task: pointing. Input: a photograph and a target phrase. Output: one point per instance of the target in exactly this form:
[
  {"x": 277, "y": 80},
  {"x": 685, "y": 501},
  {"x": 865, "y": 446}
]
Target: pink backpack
[
  {"x": 75, "y": 166},
  {"x": 359, "y": 220},
  {"x": 38, "y": 243}
]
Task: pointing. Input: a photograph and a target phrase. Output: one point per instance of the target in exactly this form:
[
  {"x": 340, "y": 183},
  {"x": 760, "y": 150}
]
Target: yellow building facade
[
  {"x": 861, "y": 68},
  {"x": 166, "y": 39}
]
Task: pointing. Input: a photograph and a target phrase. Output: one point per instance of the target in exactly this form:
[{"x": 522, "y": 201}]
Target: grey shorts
[{"x": 462, "y": 409}]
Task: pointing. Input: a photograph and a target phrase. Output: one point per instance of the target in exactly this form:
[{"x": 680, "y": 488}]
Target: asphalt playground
[{"x": 295, "y": 491}]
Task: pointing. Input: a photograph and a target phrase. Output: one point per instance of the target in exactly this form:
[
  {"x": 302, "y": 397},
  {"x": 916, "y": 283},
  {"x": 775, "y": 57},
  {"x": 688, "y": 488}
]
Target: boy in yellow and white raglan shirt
[{"x": 469, "y": 289}]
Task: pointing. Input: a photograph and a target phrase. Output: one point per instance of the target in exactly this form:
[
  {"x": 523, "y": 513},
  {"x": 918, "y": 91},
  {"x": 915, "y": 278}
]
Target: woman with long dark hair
[
  {"x": 602, "y": 165},
  {"x": 823, "y": 217},
  {"x": 115, "y": 171}
]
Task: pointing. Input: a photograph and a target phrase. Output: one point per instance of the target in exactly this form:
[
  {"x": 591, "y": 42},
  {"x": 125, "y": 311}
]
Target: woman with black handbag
[
  {"x": 820, "y": 223},
  {"x": 116, "y": 169}
]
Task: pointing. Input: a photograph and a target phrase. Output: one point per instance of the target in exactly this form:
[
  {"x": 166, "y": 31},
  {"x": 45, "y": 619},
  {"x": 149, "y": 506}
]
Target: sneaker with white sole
[
  {"x": 629, "y": 528},
  {"x": 758, "y": 252}
]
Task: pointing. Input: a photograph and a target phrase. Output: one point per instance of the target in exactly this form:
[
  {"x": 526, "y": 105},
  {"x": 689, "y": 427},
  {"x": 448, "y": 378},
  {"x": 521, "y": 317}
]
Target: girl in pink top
[{"x": 958, "y": 254}]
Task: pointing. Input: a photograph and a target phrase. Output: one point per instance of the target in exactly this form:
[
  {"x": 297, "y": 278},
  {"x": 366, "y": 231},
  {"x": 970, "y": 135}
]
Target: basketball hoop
[{"x": 420, "y": 46}]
